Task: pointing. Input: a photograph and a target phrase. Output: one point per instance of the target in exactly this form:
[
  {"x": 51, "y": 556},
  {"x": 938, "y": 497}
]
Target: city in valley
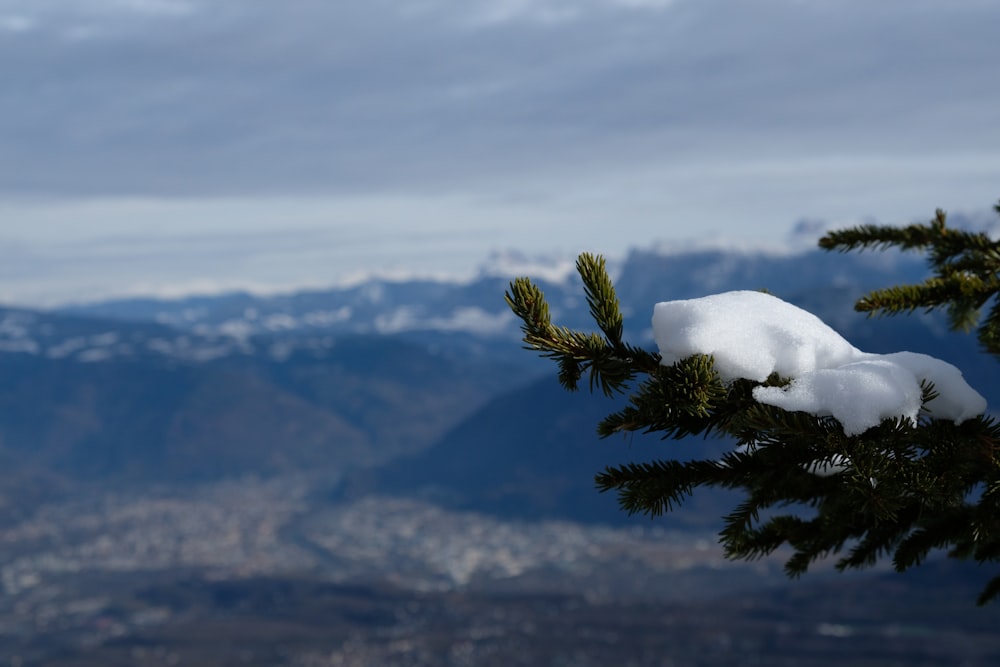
[{"x": 261, "y": 572}]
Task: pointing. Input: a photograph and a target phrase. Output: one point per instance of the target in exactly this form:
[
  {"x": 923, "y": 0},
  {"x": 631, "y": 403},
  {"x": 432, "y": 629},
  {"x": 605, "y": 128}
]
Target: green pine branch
[
  {"x": 899, "y": 490},
  {"x": 965, "y": 267}
]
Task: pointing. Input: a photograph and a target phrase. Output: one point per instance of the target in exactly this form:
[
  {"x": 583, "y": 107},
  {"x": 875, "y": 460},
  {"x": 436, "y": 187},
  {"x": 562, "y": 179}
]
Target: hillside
[
  {"x": 155, "y": 409},
  {"x": 205, "y": 388}
]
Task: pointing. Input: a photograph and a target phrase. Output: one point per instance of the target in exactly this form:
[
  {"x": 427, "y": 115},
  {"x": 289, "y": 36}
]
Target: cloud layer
[
  {"x": 225, "y": 97},
  {"x": 162, "y": 143}
]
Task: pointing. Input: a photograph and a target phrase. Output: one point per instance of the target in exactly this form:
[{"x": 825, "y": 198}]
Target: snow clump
[{"x": 752, "y": 334}]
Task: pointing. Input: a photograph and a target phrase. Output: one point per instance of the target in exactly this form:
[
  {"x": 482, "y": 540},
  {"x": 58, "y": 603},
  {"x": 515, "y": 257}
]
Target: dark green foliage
[
  {"x": 610, "y": 362},
  {"x": 898, "y": 490},
  {"x": 965, "y": 273}
]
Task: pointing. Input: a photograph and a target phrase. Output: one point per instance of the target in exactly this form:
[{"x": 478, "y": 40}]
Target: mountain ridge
[
  {"x": 99, "y": 394},
  {"x": 475, "y": 306}
]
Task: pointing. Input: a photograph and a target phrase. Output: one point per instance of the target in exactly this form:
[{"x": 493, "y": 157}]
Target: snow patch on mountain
[
  {"x": 511, "y": 263},
  {"x": 327, "y": 318},
  {"x": 469, "y": 319},
  {"x": 21, "y": 345}
]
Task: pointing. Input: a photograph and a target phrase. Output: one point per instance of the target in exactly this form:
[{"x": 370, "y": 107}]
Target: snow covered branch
[{"x": 837, "y": 451}]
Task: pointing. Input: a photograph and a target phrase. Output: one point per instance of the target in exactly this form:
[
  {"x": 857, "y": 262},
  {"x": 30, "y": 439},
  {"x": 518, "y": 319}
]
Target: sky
[{"x": 176, "y": 146}]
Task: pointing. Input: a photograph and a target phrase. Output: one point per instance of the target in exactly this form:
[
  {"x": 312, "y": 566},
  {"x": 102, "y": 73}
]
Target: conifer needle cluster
[{"x": 909, "y": 489}]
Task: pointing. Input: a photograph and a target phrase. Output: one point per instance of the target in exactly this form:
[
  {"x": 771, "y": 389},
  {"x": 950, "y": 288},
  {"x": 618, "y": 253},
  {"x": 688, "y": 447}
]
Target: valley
[{"x": 253, "y": 572}]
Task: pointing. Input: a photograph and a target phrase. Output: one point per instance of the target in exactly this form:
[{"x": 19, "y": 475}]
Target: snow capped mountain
[
  {"x": 472, "y": 306},
  {"x": 510, "y": 263},
  {"x": 243, "y": 383},
  {"x": 463, "y": 314}
]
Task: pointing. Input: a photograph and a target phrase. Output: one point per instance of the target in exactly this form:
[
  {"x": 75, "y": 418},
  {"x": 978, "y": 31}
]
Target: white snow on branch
[{"x": 752, "y": 334}]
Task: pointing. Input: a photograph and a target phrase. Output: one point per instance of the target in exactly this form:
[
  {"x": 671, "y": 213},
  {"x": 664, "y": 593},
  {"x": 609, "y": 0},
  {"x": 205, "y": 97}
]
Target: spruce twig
[{"x": 900, "y": 490}]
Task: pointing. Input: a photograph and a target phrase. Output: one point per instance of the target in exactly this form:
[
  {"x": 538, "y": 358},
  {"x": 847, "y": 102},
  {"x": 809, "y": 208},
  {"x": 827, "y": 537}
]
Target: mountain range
[{"x": 413, "y": 387}]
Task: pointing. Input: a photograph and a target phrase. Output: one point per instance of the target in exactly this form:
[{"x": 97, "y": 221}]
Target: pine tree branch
[
  {"x": 898, "y": 489},
  {"x": 989, "y": 592},
  {"x": 966, "y": 267},
  {"x": 601, "y": 297},
  {"x": 677, "y": 400},
  {"x": 654, "y": 487}
]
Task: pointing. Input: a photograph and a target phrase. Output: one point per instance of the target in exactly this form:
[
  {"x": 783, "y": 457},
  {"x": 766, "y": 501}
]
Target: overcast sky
[{"x": 165, "y": 146}]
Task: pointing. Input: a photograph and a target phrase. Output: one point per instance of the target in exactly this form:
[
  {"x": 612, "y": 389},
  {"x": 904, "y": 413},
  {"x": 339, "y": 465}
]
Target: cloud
[
  {"x": 151, "y": 144},
  {"x": 53, "y": 253},
  {"x": 16, "y": 23},
  {"x": 157, "y": 7},
  {"x": 531, "y": 11},
  {"x": 225, "y": 98}
]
